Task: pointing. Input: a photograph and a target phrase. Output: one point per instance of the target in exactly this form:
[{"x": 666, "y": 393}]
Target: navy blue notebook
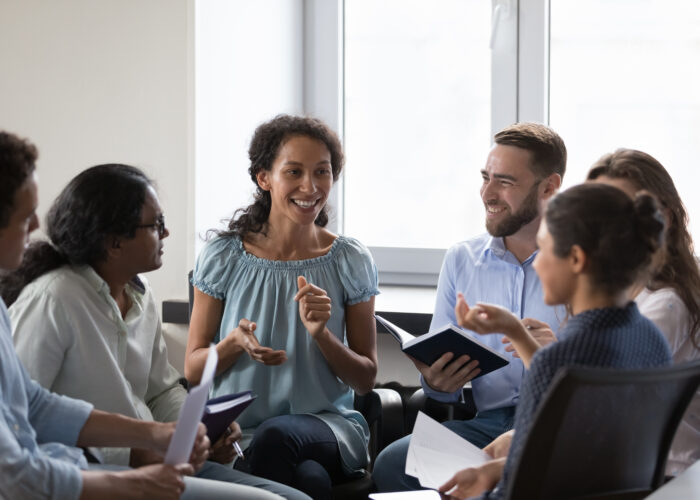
[
  {"x": 220, "y": 412},
  {"x": 450, "y": 338}
]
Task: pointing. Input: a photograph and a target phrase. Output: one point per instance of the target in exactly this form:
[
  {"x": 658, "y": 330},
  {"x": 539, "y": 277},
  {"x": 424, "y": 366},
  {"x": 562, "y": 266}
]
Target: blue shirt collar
[{"x": 497, "y": 247}]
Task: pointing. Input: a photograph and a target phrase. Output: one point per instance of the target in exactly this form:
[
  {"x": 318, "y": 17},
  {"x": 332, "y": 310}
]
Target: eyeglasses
[{"x": 159, "y": 225}]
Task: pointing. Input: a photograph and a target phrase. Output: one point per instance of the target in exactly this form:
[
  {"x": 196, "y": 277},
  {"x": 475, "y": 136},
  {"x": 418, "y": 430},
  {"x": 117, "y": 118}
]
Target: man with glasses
[{"x": 523, "y": 170}]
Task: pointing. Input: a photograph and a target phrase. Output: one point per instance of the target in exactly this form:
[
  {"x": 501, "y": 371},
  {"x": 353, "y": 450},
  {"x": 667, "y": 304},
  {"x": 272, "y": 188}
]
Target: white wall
[
  {"x": 248, "y": 68},
  {"x": 106, "y": 81}
]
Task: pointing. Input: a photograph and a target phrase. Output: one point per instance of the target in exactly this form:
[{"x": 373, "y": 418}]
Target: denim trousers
[{"x": 298, "y": 450}]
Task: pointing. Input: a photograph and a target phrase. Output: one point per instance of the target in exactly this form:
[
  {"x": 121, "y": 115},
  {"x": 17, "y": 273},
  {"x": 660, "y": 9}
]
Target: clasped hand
[
  {"x": 158, "y": 480},
  {"x": 223, "y": 451},
  {"x": 162, "y": 434}
]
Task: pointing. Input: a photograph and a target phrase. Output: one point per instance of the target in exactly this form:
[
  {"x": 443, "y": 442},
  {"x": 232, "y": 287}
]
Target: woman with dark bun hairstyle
[
  {"x": 594, "y": 243},
  {"x": 669, "y": 294},
  {"x": 290, "y": 308}
]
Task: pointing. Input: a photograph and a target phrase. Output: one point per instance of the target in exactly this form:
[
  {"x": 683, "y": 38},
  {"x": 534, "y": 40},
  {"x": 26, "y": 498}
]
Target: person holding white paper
[
  {"x": 85, "y": 321},
  {"x": 523, "y": 170},
  {"x": 290, "y": 307},
  {"x": 595, "y": 242},
  {"x": 39, "y": 430}
]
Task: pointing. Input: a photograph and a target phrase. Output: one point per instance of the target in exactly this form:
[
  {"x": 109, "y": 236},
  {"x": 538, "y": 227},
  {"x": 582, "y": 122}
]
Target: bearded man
[{"x": 523, "y": 170}]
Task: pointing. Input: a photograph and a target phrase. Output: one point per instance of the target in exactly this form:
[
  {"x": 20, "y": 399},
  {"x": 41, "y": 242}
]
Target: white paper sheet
[
  {"x": 191, "y": 414},
  {"x": 407, "y": 495},
  {"x": 435, "y": 453}
]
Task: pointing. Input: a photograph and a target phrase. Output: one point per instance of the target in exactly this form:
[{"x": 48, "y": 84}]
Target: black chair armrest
[
  {"x": 383, "y": 410},
  {"x": 436, "y": 410}
]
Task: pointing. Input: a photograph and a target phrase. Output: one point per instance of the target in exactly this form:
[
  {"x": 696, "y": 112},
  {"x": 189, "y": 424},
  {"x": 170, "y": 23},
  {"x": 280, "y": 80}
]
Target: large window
[
  {"x": 417, "y": 120},
  {"x": 417, "y": 88},
  {"x": 627, "y": 74}
]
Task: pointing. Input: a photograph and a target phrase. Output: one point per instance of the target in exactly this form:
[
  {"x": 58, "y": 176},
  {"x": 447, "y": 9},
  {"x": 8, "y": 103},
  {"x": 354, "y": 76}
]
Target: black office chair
[
  {"x": 603, "y": 434},
  {"x": 437, "y": 410},
  {"x": 383, "y": 410}
]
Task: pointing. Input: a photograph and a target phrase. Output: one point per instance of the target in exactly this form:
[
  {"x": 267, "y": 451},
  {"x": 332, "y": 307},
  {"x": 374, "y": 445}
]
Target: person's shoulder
[
  {"x": 61, "y": 288},
  {"x": 222, "y": 242},
  {"x": 470, "y": 249},
  {"x": 57, "y": 282},
  {"x": 667, "y": 297},
  {"x": 221, "y": 248},
  {"x": 351, "y": 246}
]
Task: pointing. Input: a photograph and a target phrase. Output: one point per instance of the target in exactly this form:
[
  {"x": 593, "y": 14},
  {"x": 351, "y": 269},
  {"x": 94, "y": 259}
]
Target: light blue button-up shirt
[
  {"x": 484, "y": 271},
  {"x": 37, "y": 432}
]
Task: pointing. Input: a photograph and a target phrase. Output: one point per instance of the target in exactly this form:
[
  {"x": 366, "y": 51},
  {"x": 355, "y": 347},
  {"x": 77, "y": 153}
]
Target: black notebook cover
[
  {"x": 450, "y": 338},
  {"x": 217, "y": 422}
]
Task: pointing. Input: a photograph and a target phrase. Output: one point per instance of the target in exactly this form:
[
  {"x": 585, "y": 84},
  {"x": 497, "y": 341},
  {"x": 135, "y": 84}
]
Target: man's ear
[
  {"x": 550, "y": 185},
  {"x": 577, "y": 259},
  {"x": 263, "y": 178}
]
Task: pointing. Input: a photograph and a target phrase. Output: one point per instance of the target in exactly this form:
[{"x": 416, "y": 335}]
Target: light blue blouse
[{"x": 262, "y": 290}]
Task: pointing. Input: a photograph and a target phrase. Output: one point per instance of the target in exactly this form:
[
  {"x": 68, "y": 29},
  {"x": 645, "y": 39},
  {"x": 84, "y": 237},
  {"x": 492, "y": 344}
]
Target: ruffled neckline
[{"x": 288, "y": 264}]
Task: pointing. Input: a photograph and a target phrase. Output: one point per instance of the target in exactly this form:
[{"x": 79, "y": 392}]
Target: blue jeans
[
  {"x": 226, "y": 473},
  {"x": 390, "y": 466},
  {"x": 298, "y": 450}
]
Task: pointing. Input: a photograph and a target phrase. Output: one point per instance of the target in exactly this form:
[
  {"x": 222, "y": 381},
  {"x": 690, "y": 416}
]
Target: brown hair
[
  {"x": 547, "y": 148},
  {"x": 679, "y": 268},
  {"x": 17, "y": 159},
  {"x": 618, "y": 235}
]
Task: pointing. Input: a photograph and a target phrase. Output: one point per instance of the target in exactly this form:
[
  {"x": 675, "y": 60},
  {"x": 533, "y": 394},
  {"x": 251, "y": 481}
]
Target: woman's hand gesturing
[
  {"x": 314, "y": 306},
  {"x": 244, "y": 337}
]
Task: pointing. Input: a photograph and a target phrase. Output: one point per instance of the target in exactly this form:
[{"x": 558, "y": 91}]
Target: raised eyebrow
[{"x": 293, "y": 163}]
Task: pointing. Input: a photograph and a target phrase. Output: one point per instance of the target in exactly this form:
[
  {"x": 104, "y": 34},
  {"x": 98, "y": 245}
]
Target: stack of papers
[{"x": 435, "y": 453}]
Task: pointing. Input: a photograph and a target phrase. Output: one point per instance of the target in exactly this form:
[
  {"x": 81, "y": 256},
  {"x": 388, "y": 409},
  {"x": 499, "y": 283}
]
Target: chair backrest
[{"x": 603, "y": 433}]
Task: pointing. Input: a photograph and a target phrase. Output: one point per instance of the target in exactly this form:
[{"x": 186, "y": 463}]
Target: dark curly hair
[
  {"x": 619, "y": 235},
  {"x": 264, "y": 148},
  {"x": 100, "y": 203},
  {"x": 679, "y": 268},
  {"x": 17, "y": 159}
]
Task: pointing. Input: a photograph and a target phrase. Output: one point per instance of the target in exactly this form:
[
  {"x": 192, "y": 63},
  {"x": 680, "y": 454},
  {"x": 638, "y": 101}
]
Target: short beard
[{"x": 529, "y": 211}]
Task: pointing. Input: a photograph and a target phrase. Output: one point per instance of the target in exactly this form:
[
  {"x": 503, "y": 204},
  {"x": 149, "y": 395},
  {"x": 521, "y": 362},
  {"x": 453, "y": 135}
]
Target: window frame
[{"x": 519, "y": 40}]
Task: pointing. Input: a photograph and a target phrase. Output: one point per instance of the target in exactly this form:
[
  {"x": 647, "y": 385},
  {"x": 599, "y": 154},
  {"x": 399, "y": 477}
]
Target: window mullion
[
  {"x": 533, "y": 61},
  {"x": 504, "y": 64}
]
